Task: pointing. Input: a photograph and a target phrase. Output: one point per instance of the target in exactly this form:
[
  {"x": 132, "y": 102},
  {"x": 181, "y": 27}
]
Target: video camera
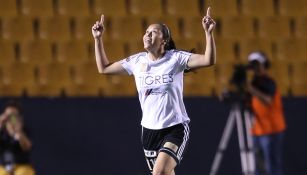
[{"x": 237, "y": 91}]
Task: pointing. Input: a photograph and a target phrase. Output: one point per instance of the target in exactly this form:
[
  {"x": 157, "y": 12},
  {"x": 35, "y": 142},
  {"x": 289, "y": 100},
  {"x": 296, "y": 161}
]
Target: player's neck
[{"x": 154, "y": 56}]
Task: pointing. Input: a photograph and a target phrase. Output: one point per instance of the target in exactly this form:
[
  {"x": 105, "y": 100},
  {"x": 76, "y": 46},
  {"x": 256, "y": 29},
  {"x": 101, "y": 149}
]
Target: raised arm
[
  {"x": 103, "y": 64},
  {"x": 209, "y": 58}
]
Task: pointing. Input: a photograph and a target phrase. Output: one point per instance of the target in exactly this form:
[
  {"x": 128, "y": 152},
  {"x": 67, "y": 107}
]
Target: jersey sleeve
[
  {"x": 129, "y": 63},
  {"x": 183, "y": 58}
]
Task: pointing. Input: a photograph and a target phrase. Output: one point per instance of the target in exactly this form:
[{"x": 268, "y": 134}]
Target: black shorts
[{"x": 153, "y": 142}]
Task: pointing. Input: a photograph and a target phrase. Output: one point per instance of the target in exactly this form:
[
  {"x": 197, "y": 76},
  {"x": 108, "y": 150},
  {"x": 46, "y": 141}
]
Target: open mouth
[{"x": 147, "y": 40}]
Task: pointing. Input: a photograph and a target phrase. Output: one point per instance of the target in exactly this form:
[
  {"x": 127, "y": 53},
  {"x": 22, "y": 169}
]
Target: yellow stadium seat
[
  {"x": 291, "y": 50},
  {"x": 299, "y": 81},
  {"x": 222, "y": 8},
  {"x": 193, "y": 29},
  {"x": 19, "y": 29},
  {"x": 7, "y": 50},
  {"x": 224, "y": 73},
  {"x": 292, "y": 8},
  {"x": 17, "y": 79},
  {"x": 199, "y": 83},
  {"x": 190, "y": 45},
  {"x": 37, "y": 8},
  {"x": 179, "y": 8},
  {"x": 76, "y": 8},
  {"x": 258, "y": 8},
  {"x": 53, "y": 80},
  {"x": 274, "y": 28},
  {"x": 36, "y": 53},
  {"x": 115, "y": 50},
  {"x": 108, "y": 7},
  {"x": 126, "y": 29},
  {"x": 120, "y": 86},
  {"x": 55, "y": 29},
  {"x": 8, "y": 8},
  {"x": 135, "y": 47},
  {"x": 301, "y": 27},
  {"x": 251, "y": 45},
  {"x": 146, "y": 8},
  {"x": 238, "y": 28},
  {"x": 72, "y": 52},
  {"x": 87, "y": 81},
  {"x": 226, "y": 50},
  {"x": 280, "y": 73}
]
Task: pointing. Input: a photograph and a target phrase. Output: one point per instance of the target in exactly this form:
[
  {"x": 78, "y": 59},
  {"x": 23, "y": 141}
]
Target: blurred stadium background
[{"x": 47, "y": 61}]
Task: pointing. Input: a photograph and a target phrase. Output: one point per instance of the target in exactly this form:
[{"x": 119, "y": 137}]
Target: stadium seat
[
  {"x": 8, "y": 9},
  {"x": 226, "y": 51},
  {"x": 190, "y": 45},
  {"x": 301, "y": 27},
  {"x": 53, "y": 80},
  {"x": 87, "y": 81},
  {"x": 280, "y": 72},
  {"x": 193, "y": 29},
  {"x": 120, "y": 86},
  {"x": 36, "y": 53},
  {"x": 299, "y": 81},
  {"x": 126, "y": 29},
  {"x": 274, "y": 28},
  {"x": 292, "y": 8},
  {"x": 76, "y": 8},
  {"x": 17, "y": 79},
  {"x": 222, "y": 8},
  {"x": 72, "y": 52},
  {"x": 145, "y": 8},
  {"x": 55, "y": 29},
  {"x": 258, "y": 8},
  {"x": 224, "y": 72},
  {"x": 135, "y": 47},
  {"x": 179, "y": 8},
  {"x": 250, "y": 45},
  {"x": 238, "y": 28},
  {"x": 37, "y": 8},
  {"x": 92, "y": 83},
  {"x": 7, "y": 50},
  {"x": 115, "y": 50},
  {"x": 11, "y": 29},
  {"x": 292, "y": 50},
  {"x": 199, "y": 83},
  {"x": 108, "y": 7}
]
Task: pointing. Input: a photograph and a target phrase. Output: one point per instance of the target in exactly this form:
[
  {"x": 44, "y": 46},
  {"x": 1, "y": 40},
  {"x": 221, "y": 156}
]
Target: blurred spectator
[{"x": 15, "y": 144}]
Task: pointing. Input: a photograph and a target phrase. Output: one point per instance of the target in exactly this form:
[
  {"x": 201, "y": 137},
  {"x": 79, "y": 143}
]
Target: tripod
[{"x": 236, "y": 116}]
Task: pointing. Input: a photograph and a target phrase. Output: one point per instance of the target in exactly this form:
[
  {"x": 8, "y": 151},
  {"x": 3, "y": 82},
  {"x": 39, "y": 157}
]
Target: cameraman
[{"x": 269, "y": 124}]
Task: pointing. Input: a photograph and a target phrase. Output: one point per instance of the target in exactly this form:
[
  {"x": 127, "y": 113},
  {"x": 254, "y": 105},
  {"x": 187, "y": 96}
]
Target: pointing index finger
[
  {"x": 101, "y": 19},
  {"x": 209, "y": 11}
]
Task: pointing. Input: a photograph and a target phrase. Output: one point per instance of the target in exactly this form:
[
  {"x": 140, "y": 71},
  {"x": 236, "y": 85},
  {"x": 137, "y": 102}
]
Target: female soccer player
[{"x": 158, "y": 76}]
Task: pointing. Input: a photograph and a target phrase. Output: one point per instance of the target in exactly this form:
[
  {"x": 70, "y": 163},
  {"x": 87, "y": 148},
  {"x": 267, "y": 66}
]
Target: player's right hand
[{"x": 98, "y": 28}]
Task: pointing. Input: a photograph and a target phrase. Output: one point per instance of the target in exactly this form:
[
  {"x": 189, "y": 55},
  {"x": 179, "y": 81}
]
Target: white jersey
[{"x": 160, "y": 87}]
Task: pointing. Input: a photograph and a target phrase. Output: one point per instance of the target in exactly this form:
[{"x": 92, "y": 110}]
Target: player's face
[{"x": 153, "y": 38}]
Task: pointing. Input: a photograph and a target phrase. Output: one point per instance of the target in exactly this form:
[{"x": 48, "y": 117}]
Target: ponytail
[{"x": 170, "y": 44}]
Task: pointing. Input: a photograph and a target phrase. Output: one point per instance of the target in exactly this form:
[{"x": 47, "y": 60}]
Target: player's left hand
[{"x": 207, "y": 22}]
